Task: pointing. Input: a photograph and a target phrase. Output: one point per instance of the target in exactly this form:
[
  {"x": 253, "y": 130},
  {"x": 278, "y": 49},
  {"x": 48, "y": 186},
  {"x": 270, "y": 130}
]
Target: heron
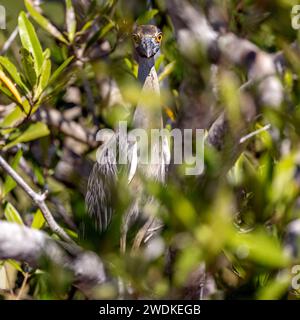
[{"x": 99, "y": 197}]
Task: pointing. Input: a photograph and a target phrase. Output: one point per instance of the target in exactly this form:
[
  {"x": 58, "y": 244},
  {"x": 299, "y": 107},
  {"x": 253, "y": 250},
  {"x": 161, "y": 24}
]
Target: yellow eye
[
  {"x": 136, "y": 38},
  {"x": 158, "y": 38}
]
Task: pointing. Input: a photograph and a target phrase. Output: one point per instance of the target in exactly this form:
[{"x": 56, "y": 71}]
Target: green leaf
[
  {"x": 59, "y": 70},
  {"x": 44, "y": 22},
  {"x": 28, "y": 67},
  {"x": 16, "y": 265},
  {"x": 260, "y": 248},
  {"x": 275, "y": 288},
  {"x": 11, "y": 214},
  {"x": 38, "y": 220},
  {"x": 9, "y": 183},
  {"x": 46, "y": 73},
  {"x": 17, "y": 115},
  {"x": 13, "y": 72},
  {"x": 30, "y": 41},
  {"x": 71, "y": 20},
  {"x": 6, "y": 92},
  {"x": 147, "y": 16},
  {"x": 167, "y": 71},
  {"x": 44, "y": 78},
  {"x": 33, "y": 132},
  {"x": 10, "y": 86}
]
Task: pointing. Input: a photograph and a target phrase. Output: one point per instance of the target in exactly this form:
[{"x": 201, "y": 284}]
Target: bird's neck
[{"x": 147, "y": 116}]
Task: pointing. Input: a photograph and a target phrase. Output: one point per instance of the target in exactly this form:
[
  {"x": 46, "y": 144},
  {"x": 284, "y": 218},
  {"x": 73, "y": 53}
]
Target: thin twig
[
  {"x": 9, "y": 41},
  {"x": 20, "y": 293},
  {"x": 253, "y": 133},
  {"x": 38, "y": 199}
]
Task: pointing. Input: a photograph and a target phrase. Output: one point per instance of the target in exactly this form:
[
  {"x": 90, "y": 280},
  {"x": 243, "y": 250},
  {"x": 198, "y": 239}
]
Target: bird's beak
[{"x": 148, "y": 47}]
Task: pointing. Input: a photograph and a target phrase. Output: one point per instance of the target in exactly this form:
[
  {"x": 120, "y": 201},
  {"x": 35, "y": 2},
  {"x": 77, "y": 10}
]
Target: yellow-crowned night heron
[{"x": 99, "y": 197}]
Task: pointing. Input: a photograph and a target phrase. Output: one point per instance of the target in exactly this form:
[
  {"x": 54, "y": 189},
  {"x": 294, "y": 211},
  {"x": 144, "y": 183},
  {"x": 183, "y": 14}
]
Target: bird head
[{"x": 146, "y": 39}]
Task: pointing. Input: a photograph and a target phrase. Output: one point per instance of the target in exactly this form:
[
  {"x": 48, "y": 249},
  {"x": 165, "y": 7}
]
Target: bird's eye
[
  {"x": 158, "y": 38},
  {"x": 136, "y": 38}
]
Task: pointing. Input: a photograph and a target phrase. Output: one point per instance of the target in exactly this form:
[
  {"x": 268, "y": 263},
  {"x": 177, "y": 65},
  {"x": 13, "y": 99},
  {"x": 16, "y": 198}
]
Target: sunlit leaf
[
  {"x": 261, "y": 248},
  {"x": 44, "y": 22},
  {"x": 13, "y": 72},
  {"x": 28, "y": 67},
  {"x": 10, "y": 86},
  {"x": 38, "y": 220},
  {"x": 275, "y": 288},
  {"x": 12, "y": 215},
  {"x": 59, "y": 70},
  {"x": 30, "y": 41},
  {"x": 167, "y": 71},
  {"x": 33, "y": 132},
  {"x": 71, "y": 20},
  {"x": 16, "y": 265}
]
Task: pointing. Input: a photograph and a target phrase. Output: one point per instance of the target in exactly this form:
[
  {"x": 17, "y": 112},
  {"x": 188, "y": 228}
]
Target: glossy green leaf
[
  {"x": 44, "y": 77},
  {"x": 30, "y": 41},
  {"x": 59, "y": 70},
  {"x": 12, "y": 215},
  {"x": 17, "y": 115},
  {"x": 70, "y": 20},
  {"x": 28, "y": 67},
  {"x": 44, "y": 22},
  {"x": 33, "y": 132},
  {"x": 13, "y": 72}
]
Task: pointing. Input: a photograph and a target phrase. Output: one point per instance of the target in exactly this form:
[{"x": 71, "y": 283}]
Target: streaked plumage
[{"x": 102, "y": 180}]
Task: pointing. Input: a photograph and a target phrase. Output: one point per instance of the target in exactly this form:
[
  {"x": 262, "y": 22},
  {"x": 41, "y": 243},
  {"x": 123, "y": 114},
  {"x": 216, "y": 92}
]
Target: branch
[
  {"x": 38, "y": 199},
  {"x": 31, "y": 246},
  {"x": 9, "y": 41},
  {"x": 72, "y": 129},
  {"x": 191, "y": 24}
]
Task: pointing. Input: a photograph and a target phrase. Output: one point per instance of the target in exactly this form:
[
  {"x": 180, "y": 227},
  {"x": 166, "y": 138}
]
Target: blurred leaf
[
  {"x": 16, "y": 265},
  {"x": 284, "y": 186},
  {"x": 33, "y": 132},
  {"x": 188, "y": 260},
  {"x": 30, "y": 41},
  {"x": 38, "y": 220},
  {"x": 10, "y": 183},
  {"x": 167, "y": 71},
  {"x": 106, "y": 28},
  {"x": 44, "y": 22},
  {"x": 11, "y": 214},
  {"x": 259, "y": 247},
  {"x": 71, "y": 20},
  {"x": 275, "y": 288},
  {"x": 147, "y": 16}
]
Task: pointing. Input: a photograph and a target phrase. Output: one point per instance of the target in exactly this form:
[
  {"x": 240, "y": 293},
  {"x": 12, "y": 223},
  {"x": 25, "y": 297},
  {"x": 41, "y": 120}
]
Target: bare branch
[
  {"x": 30, "y": 245},
  {"x": 38, "y": 199},
  {"x": 190, "y": 23}
]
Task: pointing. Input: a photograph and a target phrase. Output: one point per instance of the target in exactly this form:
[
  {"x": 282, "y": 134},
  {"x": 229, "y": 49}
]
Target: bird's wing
[
  {"x": 133, "y": 160},
  {"x": 101, "y": 186}
]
